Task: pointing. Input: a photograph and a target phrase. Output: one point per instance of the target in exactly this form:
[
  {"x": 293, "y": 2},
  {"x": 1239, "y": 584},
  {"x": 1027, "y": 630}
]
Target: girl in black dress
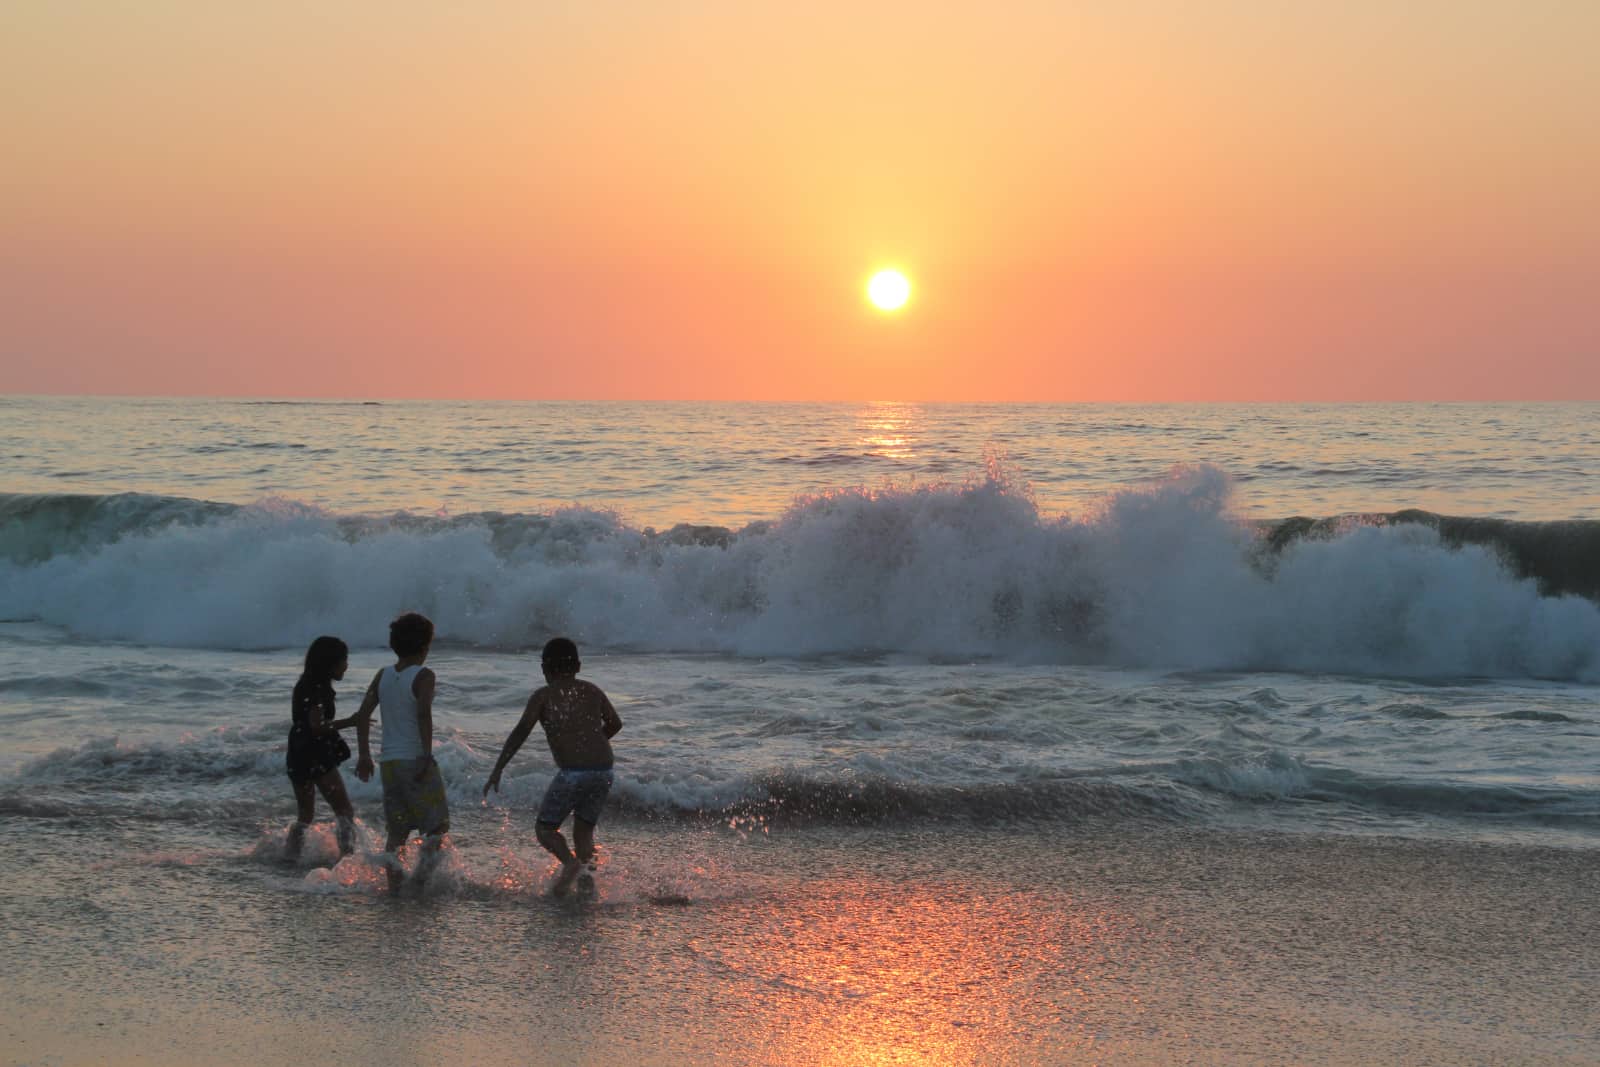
[{"x": 315, "y": 747}]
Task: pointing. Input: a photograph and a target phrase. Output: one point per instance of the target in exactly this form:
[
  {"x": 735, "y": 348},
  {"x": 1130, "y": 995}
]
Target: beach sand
[{"x": 943, "y": 944}]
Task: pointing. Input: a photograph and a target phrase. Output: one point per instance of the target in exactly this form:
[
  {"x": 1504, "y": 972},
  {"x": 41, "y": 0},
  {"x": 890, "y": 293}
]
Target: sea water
[
  {"x": 882, "y": 611},
  {"x": 828, "y": 628}
]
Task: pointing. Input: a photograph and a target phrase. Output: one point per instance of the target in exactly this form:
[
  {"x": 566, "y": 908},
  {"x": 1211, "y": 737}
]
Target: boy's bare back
[{"x": 578, "y": 721}]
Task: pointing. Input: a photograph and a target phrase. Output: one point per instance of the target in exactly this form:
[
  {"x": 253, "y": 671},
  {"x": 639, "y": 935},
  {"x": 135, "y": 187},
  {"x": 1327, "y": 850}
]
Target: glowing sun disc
[{"x": 888, "y": 290}]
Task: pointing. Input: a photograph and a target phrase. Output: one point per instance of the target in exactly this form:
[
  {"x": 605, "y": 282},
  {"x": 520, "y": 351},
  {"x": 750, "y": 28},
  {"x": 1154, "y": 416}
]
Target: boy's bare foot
[
  {"x": 563, "y": 883},
  {"x": 586, "y": 877},
  {"x": 392, "y": 868}
]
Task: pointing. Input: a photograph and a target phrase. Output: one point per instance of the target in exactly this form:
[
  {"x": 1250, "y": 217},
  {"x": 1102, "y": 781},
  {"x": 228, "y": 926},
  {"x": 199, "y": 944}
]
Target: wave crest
[{"x": 1157, "y": 576}]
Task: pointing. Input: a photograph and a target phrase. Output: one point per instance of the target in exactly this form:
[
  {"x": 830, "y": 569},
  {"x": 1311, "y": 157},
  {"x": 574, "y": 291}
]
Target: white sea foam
[{"x": 1162, "y": 576}]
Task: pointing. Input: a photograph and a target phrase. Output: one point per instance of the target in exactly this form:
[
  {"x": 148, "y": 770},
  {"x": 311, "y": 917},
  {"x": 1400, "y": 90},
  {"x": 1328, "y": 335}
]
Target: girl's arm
[
  {"x": 340, "y": 724},
  {"x": 310, "y": 699},
  {"x": 314, "y": 724}
]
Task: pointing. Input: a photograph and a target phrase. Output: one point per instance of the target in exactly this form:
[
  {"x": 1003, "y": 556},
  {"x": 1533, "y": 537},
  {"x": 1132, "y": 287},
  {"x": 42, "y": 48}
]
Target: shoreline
[{"x": 828, "y": 946}]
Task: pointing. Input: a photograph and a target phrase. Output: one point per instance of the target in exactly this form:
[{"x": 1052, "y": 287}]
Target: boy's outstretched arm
[
  {"x": 519, "y": 734},
  {"x": 363, "y": 720}
]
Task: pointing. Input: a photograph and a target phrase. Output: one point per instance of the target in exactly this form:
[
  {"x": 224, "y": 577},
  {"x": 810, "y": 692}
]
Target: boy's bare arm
[
  {"x": 612, "y": 720},
  {"x": 363, "y": 720},
  {"x": 519, "y": 734},
  {"x": 422, "y": 688}
]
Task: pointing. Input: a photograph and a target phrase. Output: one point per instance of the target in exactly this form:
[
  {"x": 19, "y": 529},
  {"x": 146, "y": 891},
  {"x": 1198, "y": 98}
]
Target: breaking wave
[{"x": 1160, "y": 576}]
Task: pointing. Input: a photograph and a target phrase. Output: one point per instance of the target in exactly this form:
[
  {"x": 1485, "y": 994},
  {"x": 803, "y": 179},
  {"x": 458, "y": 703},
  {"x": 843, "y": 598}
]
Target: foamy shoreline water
[{"x": 174, "y": 735}]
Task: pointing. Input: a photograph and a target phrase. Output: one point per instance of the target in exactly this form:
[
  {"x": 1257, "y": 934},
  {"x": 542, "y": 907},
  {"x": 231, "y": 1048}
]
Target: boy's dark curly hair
[{"x": 410, "y": 634}]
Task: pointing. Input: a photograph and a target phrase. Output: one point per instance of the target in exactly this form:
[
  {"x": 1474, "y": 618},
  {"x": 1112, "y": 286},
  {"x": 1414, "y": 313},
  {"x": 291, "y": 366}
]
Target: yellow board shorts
[{"x": 410, "y": 803}]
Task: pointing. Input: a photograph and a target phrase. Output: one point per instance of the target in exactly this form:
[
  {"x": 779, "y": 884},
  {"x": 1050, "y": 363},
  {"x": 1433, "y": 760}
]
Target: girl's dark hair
[
  {"x": 323, "y": 658},
  {"x": 410, "y": 634}
]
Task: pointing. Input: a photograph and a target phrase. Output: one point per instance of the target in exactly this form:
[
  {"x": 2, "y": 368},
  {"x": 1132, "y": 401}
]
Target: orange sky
[{"x": 681, "y": 200}]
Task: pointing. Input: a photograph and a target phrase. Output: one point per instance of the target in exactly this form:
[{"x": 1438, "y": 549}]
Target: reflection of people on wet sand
[
  {"x": 315, "y": 747},
  {"x": 413, "y": 789},
  {"x": 579, "y": 723}
]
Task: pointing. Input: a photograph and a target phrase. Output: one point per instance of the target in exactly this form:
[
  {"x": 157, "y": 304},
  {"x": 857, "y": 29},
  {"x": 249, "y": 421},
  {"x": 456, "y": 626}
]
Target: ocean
[{"x": 953, "y": 733}]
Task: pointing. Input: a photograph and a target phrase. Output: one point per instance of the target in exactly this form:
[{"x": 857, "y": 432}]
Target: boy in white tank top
[{"x": 413, "y": 788}]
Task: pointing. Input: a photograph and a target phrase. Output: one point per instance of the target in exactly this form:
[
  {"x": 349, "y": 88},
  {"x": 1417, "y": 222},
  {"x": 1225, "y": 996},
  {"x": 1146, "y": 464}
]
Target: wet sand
[{"x": 939, "y": 945}]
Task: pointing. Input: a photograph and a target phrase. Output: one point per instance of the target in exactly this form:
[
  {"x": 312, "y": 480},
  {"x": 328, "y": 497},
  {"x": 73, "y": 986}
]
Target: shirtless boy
[{"x": 579, "y": 723}]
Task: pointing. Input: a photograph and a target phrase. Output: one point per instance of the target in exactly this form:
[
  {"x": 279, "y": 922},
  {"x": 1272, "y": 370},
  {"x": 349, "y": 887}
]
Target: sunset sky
[{"x": 1141, "y": 201}]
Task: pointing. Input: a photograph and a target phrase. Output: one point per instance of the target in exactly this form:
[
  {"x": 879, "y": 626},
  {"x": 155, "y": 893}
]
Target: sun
[{"x": 888, "y": 290}]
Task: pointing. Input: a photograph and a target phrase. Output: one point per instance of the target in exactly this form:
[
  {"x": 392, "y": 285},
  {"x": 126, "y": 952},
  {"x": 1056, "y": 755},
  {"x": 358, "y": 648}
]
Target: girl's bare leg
[
  {"x": 305, "y": 802},
  {"x": 332, "y": 787}
]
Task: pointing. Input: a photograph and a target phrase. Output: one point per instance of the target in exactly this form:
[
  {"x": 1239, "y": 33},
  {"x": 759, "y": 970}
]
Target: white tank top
[{"x": 397, "y": 708}]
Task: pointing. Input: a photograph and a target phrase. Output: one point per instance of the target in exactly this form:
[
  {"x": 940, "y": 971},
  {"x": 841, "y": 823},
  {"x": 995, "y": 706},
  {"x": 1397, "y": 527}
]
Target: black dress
[{"x": 313, "y": 755}]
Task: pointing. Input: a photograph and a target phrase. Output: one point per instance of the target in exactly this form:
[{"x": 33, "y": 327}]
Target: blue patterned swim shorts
[{"x": 575, "y": 790}]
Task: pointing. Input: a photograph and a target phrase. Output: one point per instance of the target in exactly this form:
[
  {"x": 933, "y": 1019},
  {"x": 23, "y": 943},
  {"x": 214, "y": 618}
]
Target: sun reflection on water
[
  {"x": 867, "y": 973},
  {"x": 890, "y": 429}
]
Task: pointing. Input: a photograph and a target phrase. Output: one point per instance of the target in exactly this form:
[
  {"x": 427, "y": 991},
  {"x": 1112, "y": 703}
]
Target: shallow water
[{"x": 182, "y": 736}]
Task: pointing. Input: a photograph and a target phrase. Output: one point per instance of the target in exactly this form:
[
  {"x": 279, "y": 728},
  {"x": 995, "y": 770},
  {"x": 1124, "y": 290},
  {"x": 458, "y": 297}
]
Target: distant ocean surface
[
  {"x": 1259, "y": 734},
  {"x": 734, "y": 464}
]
